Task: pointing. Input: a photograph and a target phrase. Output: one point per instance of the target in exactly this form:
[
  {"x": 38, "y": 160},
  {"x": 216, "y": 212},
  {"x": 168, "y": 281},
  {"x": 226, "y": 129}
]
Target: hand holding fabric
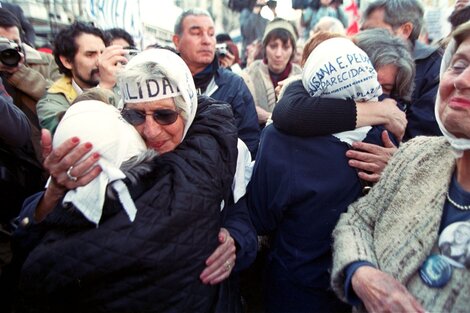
[
  {"x": 221, "y": 262},
  {"x": 380, "y": 292},
  {"x": 57, "y": 162}
]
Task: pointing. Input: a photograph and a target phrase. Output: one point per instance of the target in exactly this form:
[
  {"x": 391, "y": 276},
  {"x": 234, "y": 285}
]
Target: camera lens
[{"x": 10, "y": 57}]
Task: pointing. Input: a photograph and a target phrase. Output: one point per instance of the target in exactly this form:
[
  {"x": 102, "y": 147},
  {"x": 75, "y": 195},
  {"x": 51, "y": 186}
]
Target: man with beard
[
  {"x": 195, "y": 41},
  {"x": 82, "y": 56}
]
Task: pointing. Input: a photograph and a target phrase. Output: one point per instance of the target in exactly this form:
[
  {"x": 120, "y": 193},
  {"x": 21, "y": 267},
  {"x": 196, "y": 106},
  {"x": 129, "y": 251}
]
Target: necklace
[{"x": 458, "y": 206}]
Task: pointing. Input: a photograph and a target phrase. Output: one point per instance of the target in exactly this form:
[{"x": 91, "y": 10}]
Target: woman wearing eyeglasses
[
  {"x": 148, "y": 258},
  {"x": 398, "y": 248}
]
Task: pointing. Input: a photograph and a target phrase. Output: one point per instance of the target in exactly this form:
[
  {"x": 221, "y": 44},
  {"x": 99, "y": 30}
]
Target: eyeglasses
[{"x": 160, "y": 116}]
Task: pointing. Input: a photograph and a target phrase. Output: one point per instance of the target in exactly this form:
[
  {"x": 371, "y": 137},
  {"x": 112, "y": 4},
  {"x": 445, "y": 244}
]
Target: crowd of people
[{"x": 327, "y": 176}]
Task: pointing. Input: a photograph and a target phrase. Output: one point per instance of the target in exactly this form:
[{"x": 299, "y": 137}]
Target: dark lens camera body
[
  {"x": 9, "y": 52},
  {"x": 130, "y": 53},
  {"x": 221, "y": 49}
]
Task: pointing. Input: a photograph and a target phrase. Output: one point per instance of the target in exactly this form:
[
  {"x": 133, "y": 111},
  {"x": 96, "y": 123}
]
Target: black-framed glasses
[{"x": 160, "y": 116}]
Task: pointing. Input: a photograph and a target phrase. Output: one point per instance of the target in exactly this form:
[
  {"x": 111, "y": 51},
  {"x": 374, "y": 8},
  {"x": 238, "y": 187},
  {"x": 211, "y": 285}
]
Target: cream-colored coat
[
  {"x": 256, "y": 77},
  {"x": 395, "y": 227}
]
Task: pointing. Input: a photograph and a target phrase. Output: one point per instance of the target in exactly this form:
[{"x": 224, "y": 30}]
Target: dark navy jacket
[
  {"x": 420, "y": 113},
  {"x": 232, "y": 89},
  {"x": 149, "y": 265},
  {"x": 299, "y": 188}
]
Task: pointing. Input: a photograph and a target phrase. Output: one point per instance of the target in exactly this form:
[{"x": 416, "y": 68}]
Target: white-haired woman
[
  {"x": 148, "y": 258},
  {"x": 388, "y": 254}
]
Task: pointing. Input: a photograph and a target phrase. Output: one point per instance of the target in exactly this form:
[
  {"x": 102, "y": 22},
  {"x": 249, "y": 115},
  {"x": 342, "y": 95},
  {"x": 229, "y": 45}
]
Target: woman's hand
[
  {"x": 381, "y": 292},
  {"x": 396, "y": 118},
  {"x": 278, "y": 88},
  {"x": 263, "y": 115},
  {"x": 369, "y": 159},
  {"x": 221, "y": 262},
  {"x": 384, "y": 113},
  {"x": 66, "y": 168}
]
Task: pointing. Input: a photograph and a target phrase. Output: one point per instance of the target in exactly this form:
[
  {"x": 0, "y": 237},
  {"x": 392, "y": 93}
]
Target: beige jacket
[
  {"x": 396, "y": 225},
  {"x": 256, "y": 77}
]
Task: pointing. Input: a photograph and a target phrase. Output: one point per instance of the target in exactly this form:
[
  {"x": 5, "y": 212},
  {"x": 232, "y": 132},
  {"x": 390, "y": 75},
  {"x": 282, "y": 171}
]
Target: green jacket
[
  {"x": 55, "y": 102},
  {"x": 58, "y": 99}
]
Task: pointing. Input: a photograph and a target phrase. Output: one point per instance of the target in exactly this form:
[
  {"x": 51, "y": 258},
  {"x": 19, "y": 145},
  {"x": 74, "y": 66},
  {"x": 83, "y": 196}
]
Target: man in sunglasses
[{"x": 195, "y": 41}]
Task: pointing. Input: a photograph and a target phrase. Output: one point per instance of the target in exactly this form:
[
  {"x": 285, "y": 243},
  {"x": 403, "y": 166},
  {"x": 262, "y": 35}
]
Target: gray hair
[
  {"x": 180, "y": 19},
  {"x": 150, "y": 70},
  {"x": 329, "y": 24},
  {"x": 383, "y": 49},
  {"x": 399, "y": 12}
]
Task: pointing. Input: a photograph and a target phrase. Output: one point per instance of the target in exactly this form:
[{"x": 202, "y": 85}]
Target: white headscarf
[
  {"x": 458, "y": 144},
  {"x": 337, "y": 68},
  {"x": 176, "y": 80},
  {"x": 115, "y": 140}
]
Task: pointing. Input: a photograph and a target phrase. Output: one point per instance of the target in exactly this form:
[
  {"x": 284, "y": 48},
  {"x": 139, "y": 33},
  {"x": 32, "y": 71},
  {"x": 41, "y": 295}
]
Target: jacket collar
[
  {"x": 422, "y": 51},
  {"x": 64, "y": 86}
]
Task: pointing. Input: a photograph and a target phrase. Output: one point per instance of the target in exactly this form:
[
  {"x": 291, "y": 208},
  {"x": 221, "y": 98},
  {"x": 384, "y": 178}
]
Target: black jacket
[{"x": 152, "y": 264}]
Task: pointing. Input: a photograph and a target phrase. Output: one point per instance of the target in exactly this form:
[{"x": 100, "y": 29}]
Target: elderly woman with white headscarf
[
  {"x": 391, "y": 249},
  {"x": 301, "y": 185},
  {"x": 143, "y": 247}
]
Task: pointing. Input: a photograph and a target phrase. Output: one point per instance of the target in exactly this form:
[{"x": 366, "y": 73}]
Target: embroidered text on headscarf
[
  {"x": 338, "y": 68},
  {"x": 153, "y": 89},
  {"x": 177, "y": 76}
]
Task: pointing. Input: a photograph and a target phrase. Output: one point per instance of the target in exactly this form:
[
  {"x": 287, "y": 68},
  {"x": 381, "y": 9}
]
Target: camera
[
  {"x": 9, "y": 52},
  {"x": 130, "y": 53},
  {"x": 221, "y": 49}
]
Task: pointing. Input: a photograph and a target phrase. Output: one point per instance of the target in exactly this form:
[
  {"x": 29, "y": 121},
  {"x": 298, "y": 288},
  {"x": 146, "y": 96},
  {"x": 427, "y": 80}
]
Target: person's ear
[
  {"x": 176, "y": 41},
  {"x": 65, "y": 62},
  {"x": 406, "y": 29}
]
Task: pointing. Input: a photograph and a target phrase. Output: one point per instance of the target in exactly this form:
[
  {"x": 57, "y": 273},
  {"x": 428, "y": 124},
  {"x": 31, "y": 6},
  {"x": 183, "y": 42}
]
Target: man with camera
[
  {"x": 195, "y": 41},
  {"x": 26, "y": 72},
  {"x": 82, "y": 56}
]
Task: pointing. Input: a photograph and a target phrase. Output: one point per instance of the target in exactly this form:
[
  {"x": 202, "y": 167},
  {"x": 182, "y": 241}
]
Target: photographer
[
  {"x": 227, "y": 53},
  {"x": 26, "y": 73}
]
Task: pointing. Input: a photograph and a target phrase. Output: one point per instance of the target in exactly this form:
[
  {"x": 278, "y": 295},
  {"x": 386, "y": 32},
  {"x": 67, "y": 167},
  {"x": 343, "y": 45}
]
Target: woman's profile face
[
  {"x": 278, "y": 55},
  {"x": 161, "y": 138},
  {"x": 387, "y": 75},
  {"x": 454, "y": 92}
]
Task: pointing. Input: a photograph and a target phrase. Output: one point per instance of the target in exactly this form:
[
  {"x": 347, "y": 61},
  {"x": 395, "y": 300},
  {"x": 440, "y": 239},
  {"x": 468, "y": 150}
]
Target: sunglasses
[{"x": 160, "y": 116}]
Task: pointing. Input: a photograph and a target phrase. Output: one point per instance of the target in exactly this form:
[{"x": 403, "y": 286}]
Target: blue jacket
[
  {"x": 420, "y": 114},
  {"x": 299, "y": 188},
  {"x": 232, "y": 89}
]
